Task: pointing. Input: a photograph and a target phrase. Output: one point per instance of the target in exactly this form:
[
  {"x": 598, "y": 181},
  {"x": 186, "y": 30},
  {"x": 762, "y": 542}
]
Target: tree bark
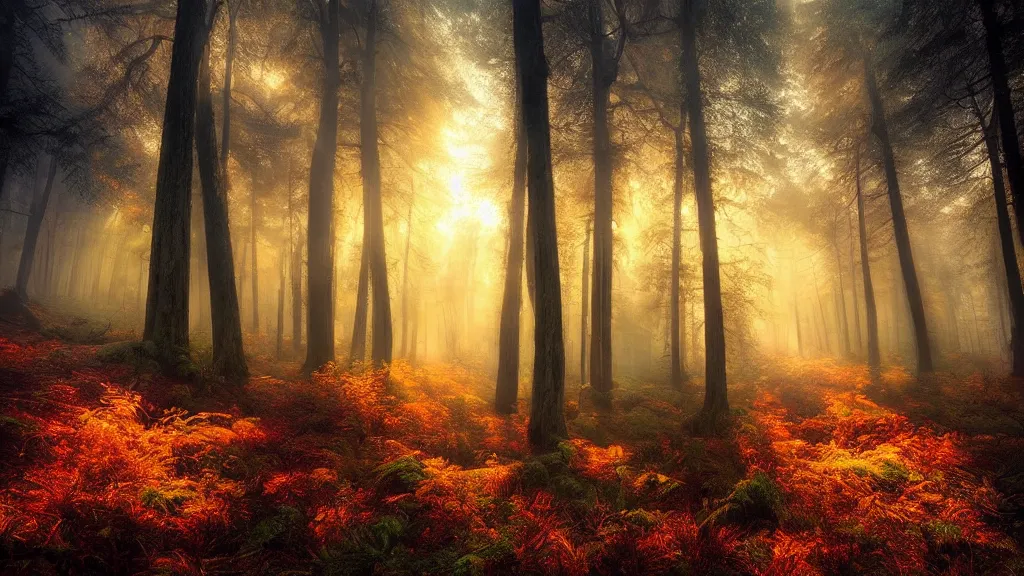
[
  {"x": 405, "y": 277},
  {"x": 602, "y": 76},
  {"x": 1009, "y": 253},
  {"x": 899, "y": 220},
  {"x": 1004, "y": 106},
  {"x": 253, "y": 260},
  {"x": 373, "y": 211},
  {"x": 853, "y": 287},
  {"x": 874, "y": 356},
  {"x": 280, "y": 309},
  {"x": 358, "y": 350},
  {"x": 507, "y": 389},
  {"x": 229, "y": 66},
  {"x": 844, "y": 323},
  {"x": 35, "y": 223},
  {"x": 716, "y": 403},
  {"x": 678, "y": 375},
  {"x": 167, "y": 300},
  {"x": 320, "y": 267},
  {"x": 547, "y": 413},
  {"x": 228, "y": 353},
  {"x": 584, "y": 287}
]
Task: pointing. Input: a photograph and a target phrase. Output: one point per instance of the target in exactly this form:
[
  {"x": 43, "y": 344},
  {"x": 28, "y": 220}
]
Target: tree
[
  {"x": 990, "y": 133},
  {"x": 547, "y": 411},
  {"x": 716, "y": 403},
  {"x": 874, "y": 356},
  {"x": 320, "y": 267},
  {"x": 373, "y": 211},
  {"x": 507, "y": 389},
  {"x": 228, "y": 354},
  {"x": 167, "y": 300},
  {"x": 604, "y": 69},
  {"x": 35, "y": 221}
]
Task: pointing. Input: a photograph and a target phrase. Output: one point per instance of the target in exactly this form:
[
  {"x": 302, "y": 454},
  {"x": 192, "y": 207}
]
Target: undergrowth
[{"x": 410, "y": 472}]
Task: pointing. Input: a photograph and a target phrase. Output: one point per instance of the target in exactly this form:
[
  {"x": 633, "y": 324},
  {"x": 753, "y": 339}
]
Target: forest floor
[{"x": 108, "y": 468}]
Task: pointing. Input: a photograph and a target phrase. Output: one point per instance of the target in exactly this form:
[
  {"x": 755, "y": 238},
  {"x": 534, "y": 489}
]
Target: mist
[{"x": 568, "y": 287}]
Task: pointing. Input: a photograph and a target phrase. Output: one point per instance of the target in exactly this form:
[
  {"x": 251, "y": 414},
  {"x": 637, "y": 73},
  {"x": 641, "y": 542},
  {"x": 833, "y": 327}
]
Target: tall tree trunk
[
  {"x": 799, "y": 332},
  {"x": 716, "y": 403},
  {"x": 507, "y": 389},
  {"x": 584, "y": 287},
  {"x": 320, "y": 267},
  {"x": 874, "y": 356},
  {"x": 229, "y": 67},
  {"x": 1004, "y": 106},
  {"x": 405, "y": 276},
  {"x": 602, "y": 76},
  {"x": 358, "y": 350},
  {"x": 899, "y": 220},
  {"x": 843, "y": 321},
  {"x": 547, "y": 412},
  {"x": 531, "y": 282},
  {"x": 295, "y": 259},
  {"x": 1009, "y": 253},
  {"x": 228, "y": 353},
  {"x": 373, "y": 210},
  {"x": 167, "y": 301},
  {"x": 853, "y": 288},
  {"x": 280, "y": 309},
  {"x": 678, "y": 376},
  {"x": 8, "y": 42},
  {"x": 35, "y": 223},
  {"x": 823, "y": 334},
  {"x": 255, "y": 267}
]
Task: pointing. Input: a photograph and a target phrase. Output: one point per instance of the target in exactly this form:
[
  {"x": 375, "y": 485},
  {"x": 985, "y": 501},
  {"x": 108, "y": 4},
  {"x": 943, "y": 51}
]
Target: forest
[{"x": 473, "y": 287}]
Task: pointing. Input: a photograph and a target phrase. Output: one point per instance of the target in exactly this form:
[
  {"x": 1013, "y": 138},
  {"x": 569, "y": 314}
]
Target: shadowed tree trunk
[
  {"x": 358, "y": 349},
  {"x": 678, "y": 374},
  {"x": 295, "y": 258},
  {"x": 35, "y": 223},
  {"x": 253, "y": 260},
  {"x": 167, "y": 300},
  {"x": 602, "y": 77},
  {"x": 1008, "y": 251},
  {"x": 228, "y": 354},
  {"x": 853, "y": 288},
  {"x": 373, "y": 211},
  {"x": 547, "y": 411},
  {"x": 844, "y": 323},
  {"x": 1004, "y": 105},
  {"x": 229, "y": 66},
  {"x": 320, "y": 267},
  {"x": 716, "y": 403},
  {"x": 874, "y": 356},
  {"x": 531, "y": 283},
  {"x": 507, "y": 389},
  {"x": 899, "y": 220},
  {"x": 584, "y": 287},
  {"x": 7, "y": 46},
  {"x": 280, "y": 309},
  {"x": 405, "y": 277}
]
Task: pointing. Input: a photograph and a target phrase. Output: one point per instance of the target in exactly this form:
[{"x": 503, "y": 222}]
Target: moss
[
  {"x": 140, "y": 355},
  {"x": 387, "y": 532},
  {"x": 401, "y": 475},
  {"x": 640, "y": 517},
  {"x": 942, "y": 533},
  {"x": 758, "y": 498},
  {"x": 568, "y": 488},
  {"x": 534, "y": 475},
  {"x": 165, "y": 499},
  {"x": 279, "y": 528}
]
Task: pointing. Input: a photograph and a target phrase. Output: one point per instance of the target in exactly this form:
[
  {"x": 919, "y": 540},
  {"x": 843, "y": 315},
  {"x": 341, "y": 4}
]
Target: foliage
[{"x": 411, "y": 472}]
